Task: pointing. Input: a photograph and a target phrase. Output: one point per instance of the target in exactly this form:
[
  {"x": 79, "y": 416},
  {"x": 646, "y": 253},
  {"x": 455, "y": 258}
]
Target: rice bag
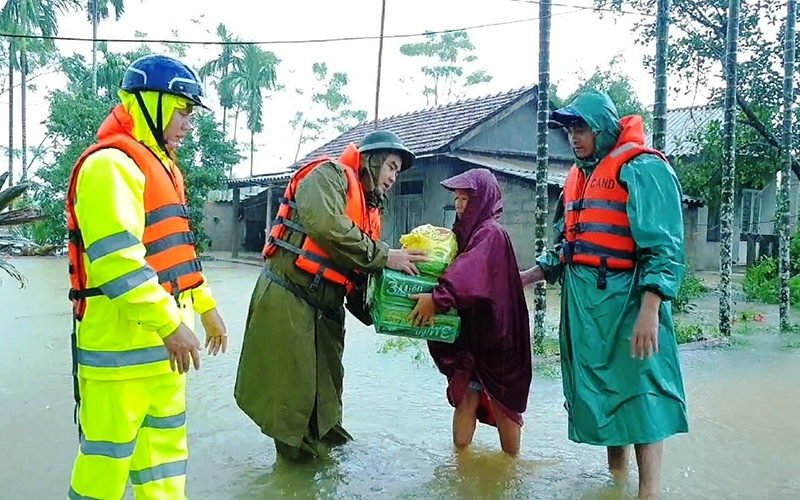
[{"x": 439, "y": 243}]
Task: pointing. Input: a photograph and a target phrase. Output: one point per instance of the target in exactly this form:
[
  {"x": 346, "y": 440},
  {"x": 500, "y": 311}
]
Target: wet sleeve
[
  {"x": 110, "y": 213},
  {"x": 469, "y": 279},
  {"x": 321, "y": 200},
  {"x": 202, "y": 299},
  {"x": 656, "y": 216},
  {"x": 550, "y": 260}
]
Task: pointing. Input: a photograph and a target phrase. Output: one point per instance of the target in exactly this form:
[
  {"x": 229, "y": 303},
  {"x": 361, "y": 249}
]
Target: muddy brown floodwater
[{"x": 744, "y": 440}]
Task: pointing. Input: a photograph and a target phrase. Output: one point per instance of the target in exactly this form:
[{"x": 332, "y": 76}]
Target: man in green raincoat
[
  {"x": 325, "y": 241},
  {"x": 620, "y": 262}
]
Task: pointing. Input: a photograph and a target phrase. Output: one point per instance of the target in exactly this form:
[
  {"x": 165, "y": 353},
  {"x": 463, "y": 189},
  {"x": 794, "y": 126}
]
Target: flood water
[{"x": 744, "y": 440}]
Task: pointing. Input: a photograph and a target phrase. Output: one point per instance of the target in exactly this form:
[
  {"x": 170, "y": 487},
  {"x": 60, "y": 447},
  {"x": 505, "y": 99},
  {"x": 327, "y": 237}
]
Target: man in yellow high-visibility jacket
[{"x": 136, "y": 286}]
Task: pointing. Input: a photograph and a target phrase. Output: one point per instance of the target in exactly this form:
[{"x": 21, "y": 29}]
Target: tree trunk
[
  {"x": 23, "y": 71},
  {"x": 784, "y": 208},
  {"x": 542, "y": 160},
  {"x": 728, "y": 172},
  {"x": 11, "y": 49},
  {"x": 235, "y": 124},
  {"x": 252, "y": 149},
  {"x": 224, "y": 121},
  {"x": 300, "y": 140},
  {"x": 94, "y": 46},
  {"x": 662, "y": 51}
]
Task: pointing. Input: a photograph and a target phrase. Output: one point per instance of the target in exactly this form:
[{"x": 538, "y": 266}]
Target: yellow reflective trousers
[{"x": 132, "y": 428}]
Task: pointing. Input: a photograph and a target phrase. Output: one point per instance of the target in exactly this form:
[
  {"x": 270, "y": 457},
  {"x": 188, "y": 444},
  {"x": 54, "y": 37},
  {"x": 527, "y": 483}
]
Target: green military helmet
[{"x": 385, "y": 140}]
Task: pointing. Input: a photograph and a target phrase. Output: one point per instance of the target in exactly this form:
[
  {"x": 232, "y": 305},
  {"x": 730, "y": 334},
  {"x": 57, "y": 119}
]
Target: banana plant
[{"x": 9, "y": 221}]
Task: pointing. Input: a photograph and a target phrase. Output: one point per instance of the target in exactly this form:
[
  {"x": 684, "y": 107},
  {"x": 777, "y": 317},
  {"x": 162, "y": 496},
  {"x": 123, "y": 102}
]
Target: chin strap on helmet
[{"x": 156, "y": 128}]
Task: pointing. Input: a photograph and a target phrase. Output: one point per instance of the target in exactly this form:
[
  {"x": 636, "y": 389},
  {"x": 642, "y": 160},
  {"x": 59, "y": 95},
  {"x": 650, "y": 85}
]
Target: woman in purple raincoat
[{"x": 488, "y": 368}]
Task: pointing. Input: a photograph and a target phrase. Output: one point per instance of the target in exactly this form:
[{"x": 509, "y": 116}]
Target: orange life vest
[
  {"x": 167, "y": 235},
  {"x": 310, "y": 257},
  {"x": 597, "y": 228}
]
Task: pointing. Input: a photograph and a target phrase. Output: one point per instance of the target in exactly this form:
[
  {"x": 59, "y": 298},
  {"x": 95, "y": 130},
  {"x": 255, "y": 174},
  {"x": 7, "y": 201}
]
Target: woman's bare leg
[
  {"x": 510, "y": 432},
  {"x": 464, "y": 419}
]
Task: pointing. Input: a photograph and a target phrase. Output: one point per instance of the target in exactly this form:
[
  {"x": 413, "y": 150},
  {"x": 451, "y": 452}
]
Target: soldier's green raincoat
[
  {"x": 613, "y": 399},
  {"x": 289, "y": 380}
]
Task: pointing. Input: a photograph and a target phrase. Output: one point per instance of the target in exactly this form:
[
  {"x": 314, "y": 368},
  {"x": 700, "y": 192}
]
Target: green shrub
[{"x": 691, "y": 288}]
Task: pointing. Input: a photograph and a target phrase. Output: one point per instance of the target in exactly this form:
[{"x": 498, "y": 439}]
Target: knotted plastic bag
[{"x": 439, "y": 243}]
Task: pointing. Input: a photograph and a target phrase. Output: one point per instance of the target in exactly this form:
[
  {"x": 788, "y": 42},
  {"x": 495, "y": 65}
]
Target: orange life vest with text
[
  {"x": 310, "y": 257},
  {"x": 597, "y": 228},
  {"x": 167, "y": 235}
]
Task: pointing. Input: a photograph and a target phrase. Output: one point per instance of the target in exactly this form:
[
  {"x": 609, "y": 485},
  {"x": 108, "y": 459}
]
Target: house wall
[
  {"x": 707, "y": 252},
  {"x": 218, "y": 225},
  {"x": 769, "y": 204},
  {"x": 516, "y": 133},
  {"x": 519, "y": 201}
]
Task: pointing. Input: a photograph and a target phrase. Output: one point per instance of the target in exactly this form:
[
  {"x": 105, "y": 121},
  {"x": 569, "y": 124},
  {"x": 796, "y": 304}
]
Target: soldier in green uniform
[{"x": 290, "y": 373}]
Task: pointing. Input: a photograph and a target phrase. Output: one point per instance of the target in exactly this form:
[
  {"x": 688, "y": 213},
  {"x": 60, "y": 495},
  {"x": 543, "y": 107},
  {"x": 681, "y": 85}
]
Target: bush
[
  {"x": 691, "y": 288},
  {"x": 762, "y": 283}
]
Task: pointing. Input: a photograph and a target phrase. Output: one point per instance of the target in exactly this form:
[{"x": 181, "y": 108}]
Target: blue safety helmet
[
  {"x": 161, "y": 73},
  {"x": 564, "y": 118}
]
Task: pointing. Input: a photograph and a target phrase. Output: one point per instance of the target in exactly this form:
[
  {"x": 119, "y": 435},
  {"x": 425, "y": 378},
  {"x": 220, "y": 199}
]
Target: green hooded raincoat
[
  {"x": 613, "y": 399},
  {"x": 289, "y": 380}
]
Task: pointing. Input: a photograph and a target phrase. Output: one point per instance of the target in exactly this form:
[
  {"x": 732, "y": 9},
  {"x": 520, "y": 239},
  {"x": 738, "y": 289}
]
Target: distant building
[{"x": 754, "y": 222}]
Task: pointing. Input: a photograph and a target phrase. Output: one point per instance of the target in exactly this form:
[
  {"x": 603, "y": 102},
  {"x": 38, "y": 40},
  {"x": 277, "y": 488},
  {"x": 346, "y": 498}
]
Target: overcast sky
[{"x": 580, "y": 41}]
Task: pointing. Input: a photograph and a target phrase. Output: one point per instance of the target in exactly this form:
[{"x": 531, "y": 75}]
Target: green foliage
[
  {"x": 549, "y": 347},
  {"x": 417, "y": 347},
  {"x": 252, "y": 73},
  {"x": 614, "y": 82},
  {"x": 691, "y": 288},
  {"x": 701, "y": 175},
  {"x": 696, "y": 53},
  {"x": 328, "y": 112},
  {"x": 762, "y": 283},
  {"x": 685, "y": 334},
  {"x": 103, "y": 11},
  {"x": 175, "y": 48},
  {"x": 446, "y": 56}
]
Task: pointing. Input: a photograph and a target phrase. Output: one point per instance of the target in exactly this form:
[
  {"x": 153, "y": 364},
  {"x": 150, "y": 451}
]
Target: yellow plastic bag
[{"x": 439, "y": 243}]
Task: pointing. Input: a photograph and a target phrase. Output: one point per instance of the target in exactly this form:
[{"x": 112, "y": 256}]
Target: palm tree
[
  {"x": 251, "y": 75},
  {"x": 29, "y": 17},
  {"x": 97, "y": 10},
  {"x": 13, "y": 218},
  {"x": 221, "y": 66}
]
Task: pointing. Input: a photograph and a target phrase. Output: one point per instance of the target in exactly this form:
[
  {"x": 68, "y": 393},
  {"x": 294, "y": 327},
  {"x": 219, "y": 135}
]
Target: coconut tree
[
  {"x": 251, "y": 75},
  {"x": 29, "y": 17},
  {"x": 96, "y": 11},
  {"x": 228, "y": 57},
  {"x": 11, "y": 219}
]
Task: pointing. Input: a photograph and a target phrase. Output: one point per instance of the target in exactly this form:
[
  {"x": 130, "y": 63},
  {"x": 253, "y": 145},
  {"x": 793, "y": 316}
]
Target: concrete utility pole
[{"x": 380, "y": 60}]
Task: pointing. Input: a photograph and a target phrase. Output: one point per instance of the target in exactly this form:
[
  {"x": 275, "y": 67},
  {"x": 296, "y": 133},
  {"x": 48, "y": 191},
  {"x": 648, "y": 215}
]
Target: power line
[
  {"x": 280, "y": 42},
  {"x": 593, "y": 9}
]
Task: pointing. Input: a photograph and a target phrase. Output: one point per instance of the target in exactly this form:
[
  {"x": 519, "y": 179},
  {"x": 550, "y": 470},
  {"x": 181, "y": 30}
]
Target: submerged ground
[{"x": 744, "y": 402}]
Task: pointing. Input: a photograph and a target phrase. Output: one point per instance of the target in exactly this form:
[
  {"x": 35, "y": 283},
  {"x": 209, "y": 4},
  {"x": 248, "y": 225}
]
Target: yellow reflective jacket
[{"x": 121, "y": 337}]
